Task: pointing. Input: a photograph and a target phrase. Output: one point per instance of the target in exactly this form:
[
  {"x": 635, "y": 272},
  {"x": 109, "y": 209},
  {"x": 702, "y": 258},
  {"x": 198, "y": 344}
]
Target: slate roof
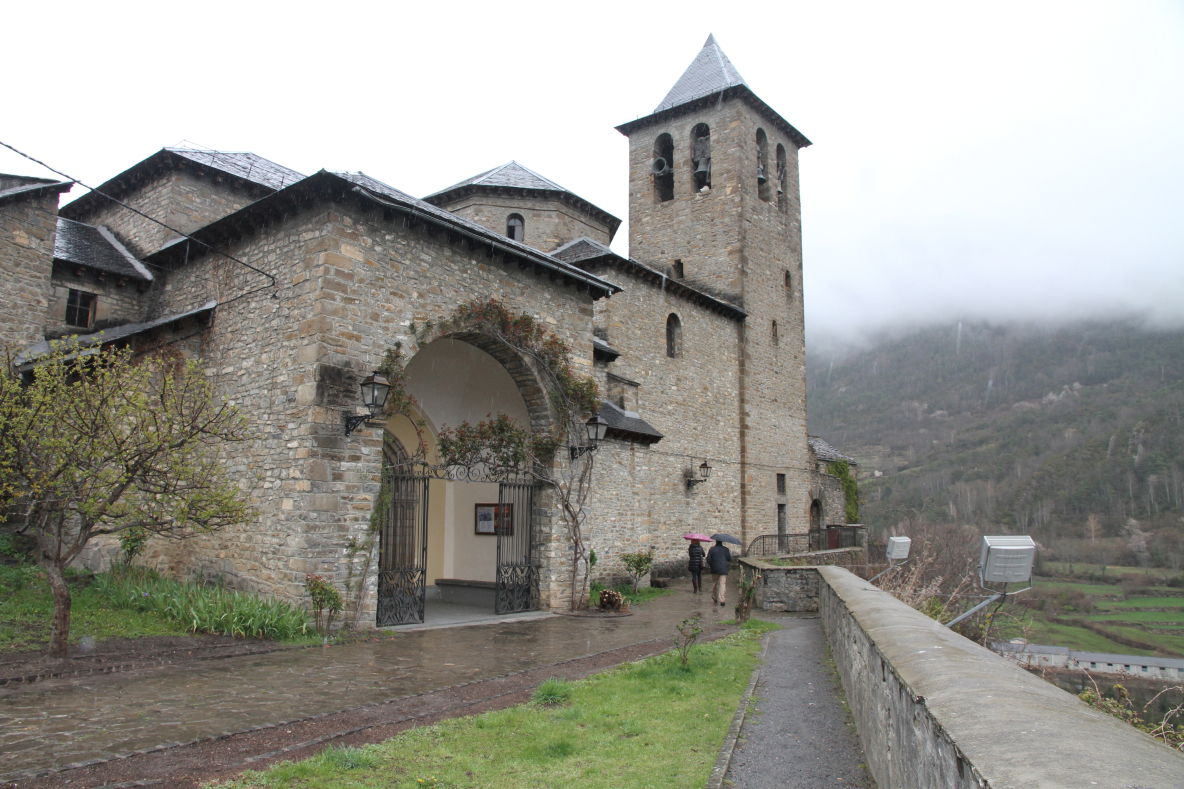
[
  {"x": 516, "y": 178},
  {"x": 588, "y": 253},
  {"x": 602, "y": 350},
  {"x": 254, "y": 217},
  {"x": 262, "y": 175},
  {"x": 710, "y": 72},
  {"x": 243, "y": 164},
  {"x": 510, "y": 174},
  {"x": 711, "y": 77},
  {"x": 628, "y": 424},
  {"x": 96, "y": 247},
  {"x": 825, "y": 452},
  {"x": 113, "y": 334},
  {"x": 32, "y": 186}
]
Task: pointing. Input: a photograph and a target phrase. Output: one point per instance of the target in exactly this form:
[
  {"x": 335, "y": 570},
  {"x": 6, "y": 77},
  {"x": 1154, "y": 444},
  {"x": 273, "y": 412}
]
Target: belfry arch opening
[
  {"x": 662, "y": 168},
  {"x": 701, "y": 156}
]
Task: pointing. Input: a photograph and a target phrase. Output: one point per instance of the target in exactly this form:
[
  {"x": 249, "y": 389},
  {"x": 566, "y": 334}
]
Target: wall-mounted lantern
[
  {"x": 704, "y": 473},
  {"x": 595, "y": 430},
  {"x": 375, "y": 389}
]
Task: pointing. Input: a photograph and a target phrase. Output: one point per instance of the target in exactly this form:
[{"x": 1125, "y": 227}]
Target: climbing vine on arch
[{"x": 504, "y": 447}]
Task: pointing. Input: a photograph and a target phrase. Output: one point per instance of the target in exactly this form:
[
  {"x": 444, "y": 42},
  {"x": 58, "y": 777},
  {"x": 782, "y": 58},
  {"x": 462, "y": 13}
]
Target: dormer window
[
  {"x": 516, "y": 227},
  {"x": 80, "y": 309}
]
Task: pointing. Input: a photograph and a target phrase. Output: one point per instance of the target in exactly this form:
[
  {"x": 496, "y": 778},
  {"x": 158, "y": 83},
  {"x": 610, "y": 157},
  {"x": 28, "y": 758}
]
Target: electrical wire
[{"x": 272, "y": 280}]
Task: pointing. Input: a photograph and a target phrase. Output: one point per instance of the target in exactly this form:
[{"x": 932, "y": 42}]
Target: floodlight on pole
[
  {"x": 897, "y": 554},
  {"x": 1002, "y": 559}
]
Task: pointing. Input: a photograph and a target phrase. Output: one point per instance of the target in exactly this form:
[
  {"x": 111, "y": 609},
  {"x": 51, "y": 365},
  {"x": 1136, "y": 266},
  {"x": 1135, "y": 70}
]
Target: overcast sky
[{"x": 1011, "y": 159}]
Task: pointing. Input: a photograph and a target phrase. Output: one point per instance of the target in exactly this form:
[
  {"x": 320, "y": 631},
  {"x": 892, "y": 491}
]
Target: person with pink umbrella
[{"x": 697, "y": 559}]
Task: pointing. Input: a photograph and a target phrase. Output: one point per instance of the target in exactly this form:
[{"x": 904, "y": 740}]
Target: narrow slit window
[
  {"x": 780, "y": 484},
  {"x": 774, "y": 333},
  {"x": 677, "y": 271},
  {"x": 673, "y": 336}
]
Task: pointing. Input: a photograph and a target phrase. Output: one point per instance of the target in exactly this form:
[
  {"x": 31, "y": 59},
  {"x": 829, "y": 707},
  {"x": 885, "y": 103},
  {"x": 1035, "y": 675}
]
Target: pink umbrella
[{"x": 697, "y": 536}]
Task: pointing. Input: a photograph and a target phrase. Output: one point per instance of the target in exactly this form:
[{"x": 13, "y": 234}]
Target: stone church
[{"x": 293, "y": 288}]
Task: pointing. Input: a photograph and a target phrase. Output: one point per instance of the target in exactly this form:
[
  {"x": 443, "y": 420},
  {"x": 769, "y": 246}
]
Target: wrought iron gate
[
  {"x": 403, "y": 547},
  {"x": 517, "y": 574}
]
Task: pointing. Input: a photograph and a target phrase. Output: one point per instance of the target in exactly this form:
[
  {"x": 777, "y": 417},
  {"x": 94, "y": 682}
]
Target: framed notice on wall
[{"x": 494, "y": 519}]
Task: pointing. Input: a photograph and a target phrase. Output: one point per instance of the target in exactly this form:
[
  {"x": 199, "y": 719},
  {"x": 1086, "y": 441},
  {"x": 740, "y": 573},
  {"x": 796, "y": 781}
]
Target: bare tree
[{"x": 101, "y": 442}]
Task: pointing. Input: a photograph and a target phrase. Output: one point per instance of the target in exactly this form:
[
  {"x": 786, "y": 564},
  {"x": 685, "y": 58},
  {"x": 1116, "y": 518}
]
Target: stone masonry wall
[
  {"x": 27, "y": 228},
  {"x": 352, "y": 284},
  {"x": 730, "y": 240},
  {"x": 828, "y": 490},
  {"x": 641, "y": 495},
  {"x": 548, "y": 223},
  {"x": 185, "y": 199},
  {"x": 934, "y": 709},
  {"x": 117, "y": 302}
]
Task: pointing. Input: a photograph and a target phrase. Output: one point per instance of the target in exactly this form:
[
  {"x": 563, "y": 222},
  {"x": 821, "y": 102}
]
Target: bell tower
[{"x": 713, "y": 201}]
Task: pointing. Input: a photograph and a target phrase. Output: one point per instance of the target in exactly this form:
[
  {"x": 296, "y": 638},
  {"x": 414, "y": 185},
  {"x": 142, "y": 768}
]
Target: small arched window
[
  {"x": 662, "y": 168},
  {"x": 673, "y": 336},
  {"x": 701, "y": 156},
  {"x": 516, "y": 227},
  {"x": 782, "y": 179},
  {"x": 762, "y": 165}
]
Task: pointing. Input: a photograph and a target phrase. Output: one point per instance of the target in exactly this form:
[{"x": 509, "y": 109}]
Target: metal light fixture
[
  {"x": 1003, "y": 559},
  {"x": 375, "y": 389},
  {"x": 704, "y": 473},
  {"x": 595, "y": 430}
]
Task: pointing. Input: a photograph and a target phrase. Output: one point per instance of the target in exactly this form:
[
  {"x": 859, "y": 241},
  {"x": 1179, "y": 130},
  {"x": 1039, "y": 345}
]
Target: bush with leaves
[
  {"x": 638, "y": 564},
  {"x": 326, "y": 602},
  {"x": 101, "y": 441}
]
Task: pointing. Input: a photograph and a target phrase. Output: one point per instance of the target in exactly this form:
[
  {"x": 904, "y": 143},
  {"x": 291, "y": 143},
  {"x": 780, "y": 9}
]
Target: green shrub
[
  {"x": 204, "y": 609},
  {"x": 638, "y": 564},
  {"x": 326, "y": 602}
]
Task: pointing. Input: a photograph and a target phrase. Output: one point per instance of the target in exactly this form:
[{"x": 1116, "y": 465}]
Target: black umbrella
[{"x": 721, "y": 537}]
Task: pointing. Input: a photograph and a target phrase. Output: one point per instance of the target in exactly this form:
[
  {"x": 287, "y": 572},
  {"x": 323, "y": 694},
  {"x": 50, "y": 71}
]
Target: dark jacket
[
  {"x": 718, "y": 559},
  {"x": 697, "y": 554}
]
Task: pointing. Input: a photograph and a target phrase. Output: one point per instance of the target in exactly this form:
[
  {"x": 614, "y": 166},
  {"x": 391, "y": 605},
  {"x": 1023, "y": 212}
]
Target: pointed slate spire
[{"x": 710, "y": 72}]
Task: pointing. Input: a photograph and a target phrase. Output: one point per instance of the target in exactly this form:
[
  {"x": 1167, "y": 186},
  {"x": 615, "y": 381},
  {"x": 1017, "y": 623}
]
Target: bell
[{"x": 703, "y": 167}]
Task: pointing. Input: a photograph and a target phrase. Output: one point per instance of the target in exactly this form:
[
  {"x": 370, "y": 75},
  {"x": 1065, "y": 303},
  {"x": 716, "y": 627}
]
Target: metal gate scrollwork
[
  {"x": 517, "y": 573},
  {"x": 403, "y": 548}
]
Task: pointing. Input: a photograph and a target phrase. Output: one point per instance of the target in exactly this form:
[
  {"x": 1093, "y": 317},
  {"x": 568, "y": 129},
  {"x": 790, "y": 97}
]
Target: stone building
[{"x": 292, "y": 288}]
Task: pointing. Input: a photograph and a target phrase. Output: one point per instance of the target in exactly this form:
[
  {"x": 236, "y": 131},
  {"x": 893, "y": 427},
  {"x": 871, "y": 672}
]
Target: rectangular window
[
  {"x": 780, "y": 484},
  {"x": 80, "y": 309}
]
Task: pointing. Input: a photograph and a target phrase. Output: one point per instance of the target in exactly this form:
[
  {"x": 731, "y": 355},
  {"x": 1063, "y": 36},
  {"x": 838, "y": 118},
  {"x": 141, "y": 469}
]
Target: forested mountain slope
[{"x": 1069, "y": 433}]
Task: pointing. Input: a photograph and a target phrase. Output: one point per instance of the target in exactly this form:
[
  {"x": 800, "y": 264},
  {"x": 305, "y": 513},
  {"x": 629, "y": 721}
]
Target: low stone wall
[{"x": 934, "y": 709}]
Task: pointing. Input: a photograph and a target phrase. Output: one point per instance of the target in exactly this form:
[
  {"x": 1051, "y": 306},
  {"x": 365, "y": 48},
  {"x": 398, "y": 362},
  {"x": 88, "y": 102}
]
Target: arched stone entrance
[{"x": 449, "y": 537}]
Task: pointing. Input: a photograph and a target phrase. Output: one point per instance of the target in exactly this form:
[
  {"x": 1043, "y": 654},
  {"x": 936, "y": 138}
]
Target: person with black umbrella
[{"x": 719, "y": 559}]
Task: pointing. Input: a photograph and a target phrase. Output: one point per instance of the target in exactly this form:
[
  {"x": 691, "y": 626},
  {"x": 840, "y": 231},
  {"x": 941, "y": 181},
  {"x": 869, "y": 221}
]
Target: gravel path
[{"x": 797, "y": 733}]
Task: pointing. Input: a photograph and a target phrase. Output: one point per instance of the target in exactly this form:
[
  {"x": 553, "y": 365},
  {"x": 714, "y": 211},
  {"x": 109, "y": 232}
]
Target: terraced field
[{"x": 1144, "y": 618}]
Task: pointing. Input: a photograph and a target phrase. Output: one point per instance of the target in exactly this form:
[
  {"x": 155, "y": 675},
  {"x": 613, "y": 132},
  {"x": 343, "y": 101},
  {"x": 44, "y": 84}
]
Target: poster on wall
[{"x": 494, "y": 519}]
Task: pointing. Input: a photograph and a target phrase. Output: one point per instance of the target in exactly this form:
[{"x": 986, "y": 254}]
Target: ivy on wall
[{"x": 842, "y": 470}]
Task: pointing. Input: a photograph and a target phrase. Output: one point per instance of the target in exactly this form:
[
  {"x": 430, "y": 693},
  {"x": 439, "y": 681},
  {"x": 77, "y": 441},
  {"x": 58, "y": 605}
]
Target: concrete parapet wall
[{"x": 934, "y": 709}]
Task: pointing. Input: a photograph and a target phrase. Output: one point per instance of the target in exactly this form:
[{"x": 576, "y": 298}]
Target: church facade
[{"x": 293, "y": 288}]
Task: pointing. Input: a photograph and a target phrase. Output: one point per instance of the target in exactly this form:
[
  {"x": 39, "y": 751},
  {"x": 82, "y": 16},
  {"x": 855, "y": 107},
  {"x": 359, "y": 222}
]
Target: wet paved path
[
  {"x": 796, "y": 734},
  {"x": 55, "y": 723}
]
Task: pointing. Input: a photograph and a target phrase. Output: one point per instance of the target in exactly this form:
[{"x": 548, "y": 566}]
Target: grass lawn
[
  {"x": 647, "y": 724},
  {"x": 26, "y": 613}
]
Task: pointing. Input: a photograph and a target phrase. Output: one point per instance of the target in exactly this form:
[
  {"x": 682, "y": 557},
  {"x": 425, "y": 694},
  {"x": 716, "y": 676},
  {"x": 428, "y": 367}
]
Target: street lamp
[
  {"x": 595, "y": 430},
  {"x": 375, "y": 389},
  {"x": 704, "y": 473}
]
